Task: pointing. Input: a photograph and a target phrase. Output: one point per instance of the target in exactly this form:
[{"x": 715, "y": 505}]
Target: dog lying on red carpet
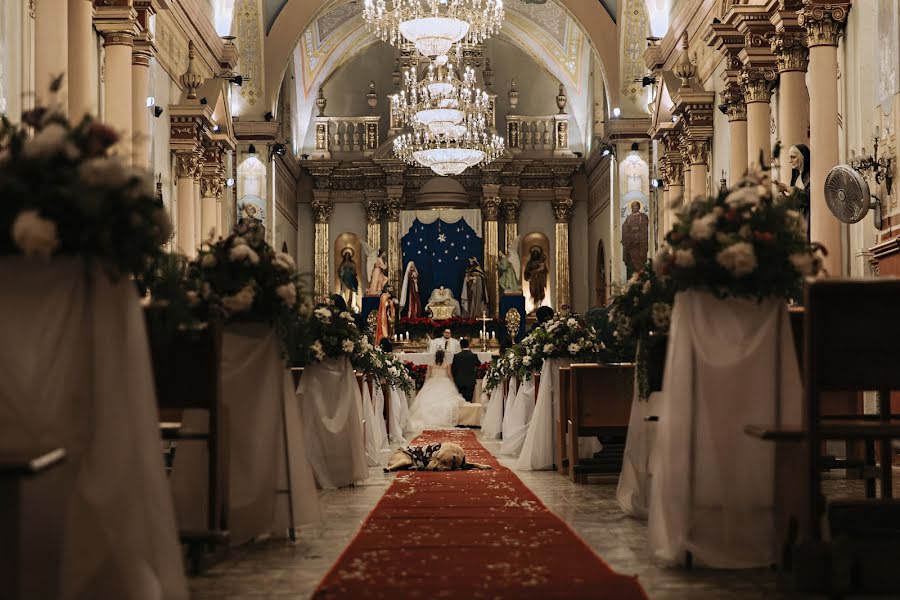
[{"x": 445, "y": 456}]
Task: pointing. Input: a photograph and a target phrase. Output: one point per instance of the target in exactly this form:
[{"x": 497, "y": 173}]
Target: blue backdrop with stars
[{"x": 441, "y": 252}]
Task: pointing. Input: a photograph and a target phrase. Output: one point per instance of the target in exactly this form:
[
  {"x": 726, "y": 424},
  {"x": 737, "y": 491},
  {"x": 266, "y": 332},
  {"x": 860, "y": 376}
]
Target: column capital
[
  {"x": 733, "y": 102},
  {"x": 372, "y": 206},
  {"x": 322, "y": 206},
  {"x": 791, "y": 51},
  {"x": 758, "y": 84},
  {"x": 675, "y": 171},
  {"x": 824, "y": 21},
  {"x": 211, "y": 186},
  {"x": 185, "y": 164},
  {"x": 490, "y": 208},
  {"x": 697, "y": 151},
  {"x": 510, "y": 206},
  {"x": 393, "y": 204},
  {"x": 143, "y": 50},
  {"x": 117, "y": 24},
  {"x": 562, "y": 204}
]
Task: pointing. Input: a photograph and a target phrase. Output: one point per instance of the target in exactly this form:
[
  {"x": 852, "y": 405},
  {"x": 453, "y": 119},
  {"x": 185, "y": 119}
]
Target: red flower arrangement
[
  {"x": 417, "y": 372},
  {"x": 482, "y": 370}
]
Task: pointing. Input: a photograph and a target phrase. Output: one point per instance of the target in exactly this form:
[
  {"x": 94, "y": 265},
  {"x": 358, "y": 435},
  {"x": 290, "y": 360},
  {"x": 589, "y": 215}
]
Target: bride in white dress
[{"x": 437, "y": 403}]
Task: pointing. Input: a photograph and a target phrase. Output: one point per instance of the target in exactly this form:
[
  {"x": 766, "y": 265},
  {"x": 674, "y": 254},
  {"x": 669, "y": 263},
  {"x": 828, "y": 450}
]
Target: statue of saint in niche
[
  {"x": 635, "y": 239},
  {"x": 536, "y": 273},
  {"x": 349, "y": 277},
  {"x": 474, "y": 290}
]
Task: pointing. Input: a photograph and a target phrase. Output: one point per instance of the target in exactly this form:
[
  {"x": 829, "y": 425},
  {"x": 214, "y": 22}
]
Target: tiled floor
[{"x": 277, "y": 569}]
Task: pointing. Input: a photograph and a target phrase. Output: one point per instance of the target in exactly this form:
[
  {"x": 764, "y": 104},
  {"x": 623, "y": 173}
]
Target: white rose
[
  {"x": 526, "y": 360},
  {"x": 324, "y": 314},
  {"x": 287, "y": 293},
  {"x": 51, "y": 140},
  {"x": 35, "y": 236},
  {"x": 347, "y": 345},
  {"x": 571, "y": 322},
  {"x": 548, "y": 348},
  {"x": 704, "y": 227},
  {"x": 684, "y": 258},
  {"x": 802, "y": 262},
  {"x": 208, "y": 261},
  {"x": 317, "y": 349},
  {"x": 574, "y": 348},
  {"x": 739, "y": 259},
  {"x": 240, "y": 302}
]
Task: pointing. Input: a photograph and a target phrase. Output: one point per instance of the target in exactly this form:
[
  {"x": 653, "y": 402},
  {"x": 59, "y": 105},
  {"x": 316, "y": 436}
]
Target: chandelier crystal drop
[
  {"x": 463, "y": 146},
  {"x": 433, "y": 26}
]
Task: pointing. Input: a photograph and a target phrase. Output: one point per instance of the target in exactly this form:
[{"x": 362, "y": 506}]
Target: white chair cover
[
  {"x": 332, "y": 423},
  {"x": 508, "y": 402},
  {"x": 75, "y": 373},
  {"x": 256, "y": 391},
  {"x": 519, "y": 418},
  {"x": 633, "y": 491},
  {"x": 399, "y": 415},
  {"x": 492, "y": 424},
  {"x": 730, "y": 363},
  {"x": 376, "y": 432}
]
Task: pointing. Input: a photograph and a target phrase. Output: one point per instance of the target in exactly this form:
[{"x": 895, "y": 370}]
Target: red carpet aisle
[{"x": 468, "y": 534}]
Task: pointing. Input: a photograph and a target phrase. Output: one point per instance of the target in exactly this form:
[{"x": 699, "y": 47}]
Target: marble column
[
  {"x": 757, "y": 84},
  {"x": 185, "y": 165},
  {"x": 490, "y": 212},
  {"x": 82, "y": 73},
  {"x": 392, "y": 207},
  {"x": 140, "y": 114},
  {"x": 736, "y": 111},
  {"x": 698, "y": 150},
  {"x": 322, "y": 207},
  {"x": 212, "y": 186},
  {"x": 562, "y": 211},
  {"x": 118, "y": 108},
  {"x": 372, "y": 206},
  {"x": 793, "y": 103},
  {"x": 824, "y": 25},
  {"x": 51, "y": 51}
]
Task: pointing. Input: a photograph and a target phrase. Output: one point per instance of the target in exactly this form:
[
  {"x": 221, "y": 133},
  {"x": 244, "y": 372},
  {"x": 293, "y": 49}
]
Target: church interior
[{"x": 449, "y": 298}]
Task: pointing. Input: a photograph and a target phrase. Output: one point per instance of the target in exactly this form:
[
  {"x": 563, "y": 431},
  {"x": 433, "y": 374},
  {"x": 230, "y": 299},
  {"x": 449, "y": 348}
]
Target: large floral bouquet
[
  {"x": 62, "y": 194},
  {"x": 565, "y": 335},
  {"x": 743, "y": 242},
  {"x": 243, "y": 276},
  {"x": 383, "y": 365},
  {"x": 324, "y": 333}
]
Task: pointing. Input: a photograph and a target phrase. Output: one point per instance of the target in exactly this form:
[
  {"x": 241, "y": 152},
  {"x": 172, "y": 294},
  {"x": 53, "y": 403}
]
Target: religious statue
[
  {"x": 509, "y": 265},
  {"x": 536, "y": 273},
  {"x": 376, "y": 269},
  {"x": 387, "y": 314},
  {"x": 348, "y": 276},
  {"x": 474, "y": 294},
  {"x": 442, "y": 305},
  {"x": 635, "y": 239},
  {"x": 799, "y": 157},
  {"x": 410, "y": 300}
]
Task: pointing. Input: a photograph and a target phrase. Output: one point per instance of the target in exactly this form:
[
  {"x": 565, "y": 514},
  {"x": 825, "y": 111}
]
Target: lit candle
[
  {"x": 407, "y": 336},
  {"x": 493, "y": 335}
]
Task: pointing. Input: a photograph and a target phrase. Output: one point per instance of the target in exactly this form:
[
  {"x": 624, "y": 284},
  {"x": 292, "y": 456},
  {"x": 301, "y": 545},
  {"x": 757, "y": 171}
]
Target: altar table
[{"x": 427, "y": 358}]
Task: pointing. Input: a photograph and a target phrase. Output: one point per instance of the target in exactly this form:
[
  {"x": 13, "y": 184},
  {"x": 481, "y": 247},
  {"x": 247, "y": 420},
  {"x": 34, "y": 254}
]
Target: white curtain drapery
[{"x": 472, "y": 216}]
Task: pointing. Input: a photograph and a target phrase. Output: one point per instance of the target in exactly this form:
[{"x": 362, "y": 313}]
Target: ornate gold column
[
  {"x": 698, "y": 151},
  {"x": 199, "y": 234},
  {"x": 212, "y": 186},
  {"x": 372, "y": 206},
  {"x": 758, "y": 84},
  {"x": 736, "y": 110},
  {"x": 392, "y": 207},
  {"x": 185, "y": 165},
  {"x": 824, "y": 23},
  {"x": 562, "y": 211},
  {"x": 490, "y": 212},
  {"x": 687, "y": 192},
  {"x": 322, "y": 207},
  {"x": 509, "y": 204},
  {"x": 51, "y": 48},
  {"x": 675, "y": 172},
  {"x": 82, "y": 75},
  {"x": 789, "y": 46},
  {"x": 119, "y": 27}
]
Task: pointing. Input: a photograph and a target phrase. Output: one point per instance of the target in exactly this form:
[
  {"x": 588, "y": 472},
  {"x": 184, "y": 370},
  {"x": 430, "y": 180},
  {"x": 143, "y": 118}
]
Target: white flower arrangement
[{"x": 34, "y": 236}]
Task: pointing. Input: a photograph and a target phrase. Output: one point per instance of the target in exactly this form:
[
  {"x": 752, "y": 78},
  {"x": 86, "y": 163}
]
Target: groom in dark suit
[{"x": 464, "y": 368}]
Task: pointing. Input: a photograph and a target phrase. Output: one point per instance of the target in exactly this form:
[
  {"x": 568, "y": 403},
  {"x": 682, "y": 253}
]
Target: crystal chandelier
[
  {"x": 440, "y": 101},
  {"x": 433, "y": 26},
  {"x": 463, "y": 146}
]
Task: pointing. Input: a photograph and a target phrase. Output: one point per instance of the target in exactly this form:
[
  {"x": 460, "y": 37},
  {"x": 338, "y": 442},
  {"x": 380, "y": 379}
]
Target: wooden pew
[
  {"x": 29, "y": 568},
  {"x": 847, "y": 546},
  {"x": 599, "y": 404}
]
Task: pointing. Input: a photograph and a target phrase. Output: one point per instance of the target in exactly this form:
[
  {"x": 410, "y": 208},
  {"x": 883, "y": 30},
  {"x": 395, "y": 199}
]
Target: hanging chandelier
[
  {"x": 463, "y": 146},
  {"x": 433, "y": 26},
  {"x": 440, "y": 101}
]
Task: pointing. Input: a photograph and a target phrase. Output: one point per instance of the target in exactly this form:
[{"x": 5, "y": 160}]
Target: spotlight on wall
[
  {"x": 157, "y": 111},
  {"x": 230, "y": 181},
  {"x": 617, "y": 111},
  {"x": 251, "y": 149},
  {"x": 269, "y": 116},
  {"x": 607, "y": 149},
  {"x": 654, "y": 183},
  {"x": 237, "y": 80},
  {"x": 151, "y": 101},
  {"x": 277, "y": 149},
  {"x": 216, "y": 128},
  {"x": 203, "y": 100},
  {"x": 675, "y": 119},
  {"x": 647, "y": 80}
]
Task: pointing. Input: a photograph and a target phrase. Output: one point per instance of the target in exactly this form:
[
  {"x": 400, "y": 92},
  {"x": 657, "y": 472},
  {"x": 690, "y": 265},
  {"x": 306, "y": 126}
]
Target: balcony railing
[
  {"x": 347, "y": 135},
  {"x": 538, "y": 135}
]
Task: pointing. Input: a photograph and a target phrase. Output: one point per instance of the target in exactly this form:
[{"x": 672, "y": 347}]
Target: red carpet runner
[{"x": 468, "y": 534}]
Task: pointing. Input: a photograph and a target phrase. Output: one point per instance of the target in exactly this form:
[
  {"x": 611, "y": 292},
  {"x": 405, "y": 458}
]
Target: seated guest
[{"x": 465, "y": 369}]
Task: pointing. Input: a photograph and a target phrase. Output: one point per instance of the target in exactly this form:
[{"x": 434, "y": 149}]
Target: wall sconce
[
  {"x": 230, "y": 181},
  {"x": 882, "y": 168},
  {"x": 607, "y": 149},
  {"x": 617, "y": 111},
  {"x": 277, "y": 150}
]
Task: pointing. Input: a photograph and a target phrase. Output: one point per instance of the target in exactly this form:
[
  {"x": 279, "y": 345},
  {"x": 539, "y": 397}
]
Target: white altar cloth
[
  {"x": 257, "y": 389},
  {"x": 730, "y": 363},
  {"x": 633, "y": 491},
  {"x": 85, "y": 384},
  {"x": 427, "y": 358}
]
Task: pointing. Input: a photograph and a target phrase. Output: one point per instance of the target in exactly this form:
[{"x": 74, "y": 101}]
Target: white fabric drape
[
  {"x": 472, "y": 216},
  {"x": 330, "y": 407},
  {"x": 508, "y": 402},
  {"x": 376, "y": 429},
  {"x": 257, "y": 392},
  {"x": 492, "y": 425},
  {"x": 399, "y": 415},
  {"x": 633, "y": 491},
  {"x": 520, "y": 412},
  {"x": 730, "y": 363},
  {"x": 84, "y": 382}
]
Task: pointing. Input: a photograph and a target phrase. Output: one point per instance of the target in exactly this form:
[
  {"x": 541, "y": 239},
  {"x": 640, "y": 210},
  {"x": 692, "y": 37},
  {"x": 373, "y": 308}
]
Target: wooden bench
[
  {"x": 597, "y": 402},
  {"x": 28, "y": 570},
  {"x": 849, "y": 546}
]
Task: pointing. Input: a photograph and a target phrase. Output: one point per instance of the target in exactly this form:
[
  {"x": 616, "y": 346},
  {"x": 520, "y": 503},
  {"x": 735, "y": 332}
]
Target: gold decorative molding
[
  {"x": 697, "y": 151},
  {"x": 185, "y": 164},
  {"x": 562, "y": 205},
  {"x": 490, "y": 208},
  {"x": 758, "y": 84},
  {"x": 322, "y": 206},
  {"x": 824, "y": 21},
  {"x": 733, "y": 99},
  {"x": 790, "y": 50}
]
